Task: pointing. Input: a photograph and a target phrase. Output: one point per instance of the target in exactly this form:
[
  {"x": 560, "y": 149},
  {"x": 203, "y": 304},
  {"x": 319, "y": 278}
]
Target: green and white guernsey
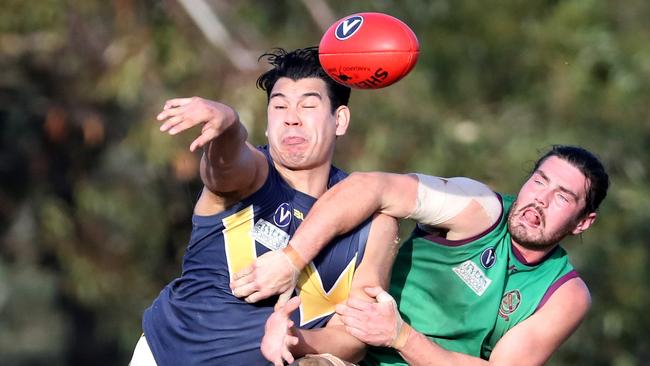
[{"x": 465, "y": 295}]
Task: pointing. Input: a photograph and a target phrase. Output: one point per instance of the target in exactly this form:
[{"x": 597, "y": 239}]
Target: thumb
[
  {"x": 283, "y": 298},
  {"x": 293, "y": 304},
  {"x": 376, "y": 292}
]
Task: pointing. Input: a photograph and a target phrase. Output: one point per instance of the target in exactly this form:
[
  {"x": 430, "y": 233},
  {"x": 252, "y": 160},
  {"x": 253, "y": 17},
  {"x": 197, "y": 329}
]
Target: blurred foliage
[{"x": 95, "y": 203}]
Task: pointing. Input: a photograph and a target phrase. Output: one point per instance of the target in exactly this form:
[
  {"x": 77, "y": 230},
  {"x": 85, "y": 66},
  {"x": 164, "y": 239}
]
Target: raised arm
[{"x": 230, "y": 168}]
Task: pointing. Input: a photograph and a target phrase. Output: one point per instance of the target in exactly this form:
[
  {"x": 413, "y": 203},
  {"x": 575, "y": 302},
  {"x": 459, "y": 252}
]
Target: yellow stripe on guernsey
[
  {"x": 315, "y": 302},
  {"x": 240, "y": 245}
]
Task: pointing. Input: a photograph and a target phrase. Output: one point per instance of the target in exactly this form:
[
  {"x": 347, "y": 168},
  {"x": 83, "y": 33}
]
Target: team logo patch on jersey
[
  {"x": 488, "y": 258},
  {"x": 269, "y": 235},
  {"x": 509, "y": 304},
  {"x": 282, "y": 215},
  {"x": 348, "y": 27},
  {"x": 473, "y": 276}
]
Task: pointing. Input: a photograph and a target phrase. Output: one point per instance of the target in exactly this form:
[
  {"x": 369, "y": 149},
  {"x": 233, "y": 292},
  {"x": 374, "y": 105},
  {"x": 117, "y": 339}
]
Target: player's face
[
  {"x": 301, "y": 127},
  {"x": 549, "y": 206}
]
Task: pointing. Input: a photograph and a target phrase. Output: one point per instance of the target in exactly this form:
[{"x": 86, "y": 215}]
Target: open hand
[
  {"x": 277, "y": 334},
  {"x": 181, "y": 114},
  {"x": 374, "y": 323}
]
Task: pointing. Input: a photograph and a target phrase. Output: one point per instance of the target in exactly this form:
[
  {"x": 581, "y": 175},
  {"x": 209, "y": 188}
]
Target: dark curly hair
[{"x": 299, "y": 64}]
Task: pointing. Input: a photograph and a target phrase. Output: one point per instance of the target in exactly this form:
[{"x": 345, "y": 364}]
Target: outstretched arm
[
  {"x": 349, "y": 203},
  {"x": 230, "y": 167},
  {"x": 340, "y": 209},
  {"x": 461, "y": 206}
]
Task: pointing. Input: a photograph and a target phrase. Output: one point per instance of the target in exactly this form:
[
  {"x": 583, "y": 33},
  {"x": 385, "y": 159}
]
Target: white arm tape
[{"x": 441, "y": 199}]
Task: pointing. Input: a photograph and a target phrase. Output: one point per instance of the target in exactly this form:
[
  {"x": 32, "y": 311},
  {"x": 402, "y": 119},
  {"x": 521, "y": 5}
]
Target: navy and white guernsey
[{"x": 196, "y": 320}]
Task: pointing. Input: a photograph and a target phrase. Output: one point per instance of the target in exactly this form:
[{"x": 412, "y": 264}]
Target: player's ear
[
  {"x": 584, "y": 223},
  {"x": 342, "y": 115}
]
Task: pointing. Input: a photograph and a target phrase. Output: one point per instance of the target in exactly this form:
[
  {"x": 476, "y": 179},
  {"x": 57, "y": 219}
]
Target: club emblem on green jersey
[{"x": 509, "y": 304}]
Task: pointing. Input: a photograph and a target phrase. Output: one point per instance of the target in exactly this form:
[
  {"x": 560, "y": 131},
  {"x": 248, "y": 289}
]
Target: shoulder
[{"x": 574, "y": 293}]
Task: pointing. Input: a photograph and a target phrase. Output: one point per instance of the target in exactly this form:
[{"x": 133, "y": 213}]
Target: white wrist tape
[{"x": 440, "y": 199}]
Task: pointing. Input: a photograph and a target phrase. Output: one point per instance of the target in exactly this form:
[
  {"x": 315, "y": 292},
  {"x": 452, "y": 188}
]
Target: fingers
[
  {"x": 181, "y": 114},
  {"x": 287, "y": 356},
  {"x": 203, "y": 139},
  {"x": 176, "y": 125},
  {"x": 283, "y": 298},
  {"x": 242, "y": 274},
  {"x": 175, "y": 120},
  {"x": 170, "y": 121},
  {"x": 245, "y": 290},
  {"x": 256, "y": 295},
  {"x": 287, "y": 307},
  {"x": 176, "y": 102},
  {"x": 351, "y": 317},
  {"x": 171, "y": 110},
  {"x": 241, "y": 279},
  {"x": 292, "y": 305},
  {"x": 244, "y": 283},
  {"x": 359, "y": 304}
]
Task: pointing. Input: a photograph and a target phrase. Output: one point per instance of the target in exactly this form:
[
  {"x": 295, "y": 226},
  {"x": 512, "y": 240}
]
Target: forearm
[
  {"x": 224, "y": 157},
  {"x": 331, "y": 339},
  {"x": 340, "y": 209},
  {"x": 420, "y": 351},
  {"x": 224, "y": 148}
]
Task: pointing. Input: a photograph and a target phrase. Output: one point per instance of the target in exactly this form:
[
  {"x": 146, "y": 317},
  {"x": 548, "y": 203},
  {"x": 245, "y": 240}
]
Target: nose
[
  {"x": 543, "y": 197},
  {"x": 292, "y": 118}
]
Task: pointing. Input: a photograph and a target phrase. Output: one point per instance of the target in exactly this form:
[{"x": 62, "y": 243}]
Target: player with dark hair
[
  {"x": 252, "y": 202},
  {"x": 482, "y": 278}
]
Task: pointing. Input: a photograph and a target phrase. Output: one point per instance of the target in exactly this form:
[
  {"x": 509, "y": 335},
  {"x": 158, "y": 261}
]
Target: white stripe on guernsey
[{"x": 441, "y": 199}]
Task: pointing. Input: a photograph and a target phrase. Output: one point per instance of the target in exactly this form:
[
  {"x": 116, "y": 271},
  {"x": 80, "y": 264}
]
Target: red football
[{"x": 368, "y": 50}]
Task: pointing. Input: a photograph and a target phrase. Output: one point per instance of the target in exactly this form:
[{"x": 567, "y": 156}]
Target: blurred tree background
[{"x": 95, "y": 202}]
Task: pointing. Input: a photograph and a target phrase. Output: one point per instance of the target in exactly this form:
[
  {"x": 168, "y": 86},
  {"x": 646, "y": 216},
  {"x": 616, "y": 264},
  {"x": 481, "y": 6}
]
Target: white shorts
[{"x": 142, "y": 355}]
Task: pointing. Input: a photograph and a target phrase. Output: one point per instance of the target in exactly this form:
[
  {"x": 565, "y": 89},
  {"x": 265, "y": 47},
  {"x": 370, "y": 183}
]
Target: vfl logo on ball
[
  {"x": 488, "y": 258},
  {"x": 348, "y": 27},
  {"x": 282, "y": 215}
]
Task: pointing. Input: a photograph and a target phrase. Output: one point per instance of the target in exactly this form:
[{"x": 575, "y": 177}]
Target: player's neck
[
  {"x": 311, "y": 181},
  {"x": 531, "y": 255}
]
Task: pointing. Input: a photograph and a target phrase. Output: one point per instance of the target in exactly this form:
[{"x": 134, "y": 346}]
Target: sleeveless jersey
[
  {"x": 196, "y": 320},
  {"x": 465, "y": 295}
]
